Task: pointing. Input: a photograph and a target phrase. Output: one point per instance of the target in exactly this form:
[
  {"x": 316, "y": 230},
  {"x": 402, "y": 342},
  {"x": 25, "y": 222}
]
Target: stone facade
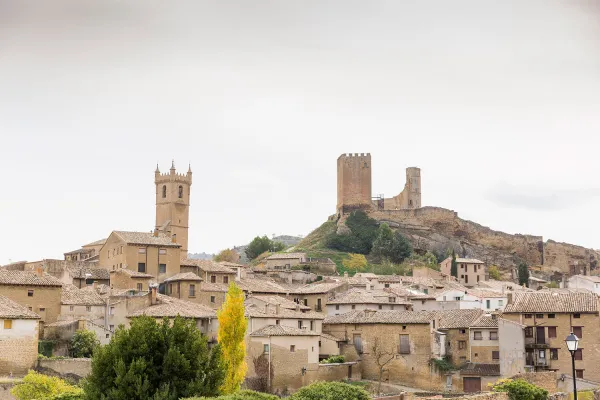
[
  {"x": 44, "y": 300},
  {"x": 18, "y": 346},
  {"x": 120, "y": 279},
  {"x": 458, "y": 345},
  {"x": 81, "y": 367}
]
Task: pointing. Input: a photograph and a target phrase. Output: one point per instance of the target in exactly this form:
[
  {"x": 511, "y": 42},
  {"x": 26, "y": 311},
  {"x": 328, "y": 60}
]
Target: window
[
  {"x": 162, "y": 268},
  {"x": 551, "y": 315},
  {"x": 213, "y": 279},
  {"x": 392, "y": 299},
  {"x": 42, "y": 309},
  {"x": 212, "y": 299},
  {"x": 71, "y": 308},
  {"x": 141, "y": 267},
  {"x": 458, "y": 298},
  {"x": 306, "y": 302},
  {"x": 578, "y": 331},
  {"x": 579, "y": 373},
  {"x": 292, "y": 348},
  {"x": 30, "y": 293},
  {"x": 162, "y": 251},
  {"x": 8, "y": 324},
  {"x": 539, "y": 316},
  {"x": 554, "y": 354},
  {"x": 139, "y": 287},
  {"x": 142, "y": 250},
  {"x": 542, "y": 354},
  {"x": 380, "y": 307},
  {"x": 192, "y": 290},
  {"x": 527, "y": 316},
  {"x": 579, "y": 355},
  {"x": 488, "y": 304},
  {"x": 111, "y": 328},
  {"x": 312, "y": 325},
  {"x": 107, "y": 335},
  {"x": 300, "y": 324},
  {"x": 477, "y": 335},
  {"x": 181, "y": 192},
  {"x": 463, "y": 331},
  {"x": 403, "y": 327},
  {"x": 493, "y": 335},
  {"x": 225, "y": 279},
  {"x": 576, "y": 315},
  {"x": 495, "y": 355},
  {"x": 337, "y": 306},
  {"x": 500, "y": 303},
  {"x": 164, "y": 191},
  {"x": 387, "y": 285},
  {"x": 404, "y": 344},
  {"x": 462, "y": 344},
  {"x": 426, "y": 291},
  {"x": 529, "y": 332},
  {"x": 88, "y": 308},
  {"x": 551, "y": 331},
  {"x": 266, "y": 348},
  {"x": 111, "y": 311},
  {"x": 353, "y": 306},
  {"x": 276, "y": 322}
]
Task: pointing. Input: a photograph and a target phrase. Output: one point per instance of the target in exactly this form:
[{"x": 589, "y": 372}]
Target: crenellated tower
[
  {"x": 173, "y": 204},
  {"x": 353, "y": 182}
]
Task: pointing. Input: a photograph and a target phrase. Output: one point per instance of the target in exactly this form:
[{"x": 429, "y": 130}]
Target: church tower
[{"x": 173, "y": 204}]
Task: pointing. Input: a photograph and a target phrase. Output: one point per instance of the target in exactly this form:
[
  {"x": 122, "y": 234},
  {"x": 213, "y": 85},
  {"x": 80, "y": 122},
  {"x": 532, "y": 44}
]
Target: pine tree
[
  {"x": 232, "y": 332},
  {"x": 383, "y": 243},
  {"x": 523, "y": 273},
  {"x": 454, "y": 266}
]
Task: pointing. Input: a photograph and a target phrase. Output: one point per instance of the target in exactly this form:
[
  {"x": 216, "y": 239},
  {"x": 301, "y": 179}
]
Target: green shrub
[
  {"x": 241, "y": 395},
  {"x": 363, "y": 231},
  {"x": 69, "y": 396},
  {"x": 519, "y": 389},
  {"x": 37, "y": 386},
  {"x": 333, "y": 360},
  {"x": 330, "y": 391},
  {"x": 46, "y": 347},
  {"x": 84, "y": 343}
]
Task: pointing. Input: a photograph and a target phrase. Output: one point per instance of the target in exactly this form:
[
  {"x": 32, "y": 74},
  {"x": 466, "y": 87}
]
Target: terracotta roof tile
[
  {"x": 13, "y": 310},
  {"x": 81, "y": 272},
  {"x": 485, "y": 321},
  {"x": 317, "y": 288},
  {"x": 146, "y": 238},
  {"x": 82, "y": 297},
  {"x": 207, "y": 266},
  {"x": 358, "y": 296},
  {"x": 254, "y": 311},
  {"x": 553, "y": 301},
  {"x": 280, "y": 330},
  {"x": 469, "y": 261},
  {"x": 286, "y": 256},
  {"x": 381, "y": 317},
  {"x": 456, "y": 319},
  {"x": 479, "y": 369},
  {"x": 184, "y": 276},
  {"x": 282, "y": 301},
  {"x": 171, "y": 307},
  {"x": 133, "y": 274},
  {"x": 27, "y": 278}
]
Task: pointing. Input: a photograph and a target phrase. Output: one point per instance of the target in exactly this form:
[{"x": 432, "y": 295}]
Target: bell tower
[{"x": 173, "y": 204}]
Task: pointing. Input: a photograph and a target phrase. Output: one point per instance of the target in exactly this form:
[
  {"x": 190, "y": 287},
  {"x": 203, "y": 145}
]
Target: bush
[
  {"x": 259, "y": 245},
  {"x": 84, "y": 343},
  {"x": 363, "y": 231},
  {"x": 241, "y": 395},
  {"x": 330, "y": 391},
  {"x": 69, "y": 396},
  {"x": 38, "y": 386},
  {"x": 355, "y": 262},
  {"x": 520, "y": 390},
  {"x": 494, "y": 272},
  {"x": 333, "y": 360}
]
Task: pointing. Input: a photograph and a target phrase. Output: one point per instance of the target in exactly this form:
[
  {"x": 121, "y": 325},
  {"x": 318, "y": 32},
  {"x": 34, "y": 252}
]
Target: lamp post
[{"x": 572, "y": 342}]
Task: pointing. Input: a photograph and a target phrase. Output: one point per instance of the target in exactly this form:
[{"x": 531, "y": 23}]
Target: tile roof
[
  {"x": 554, "y": 301},
  {"x": 96, "y": 243},
  {"x": 331, "y": 337},
  {"x": 381, "y": 317},
  {"x": 213, "y": 287},
  {"x": 27, "y": 278},
  {"x": 71, "y": 295},
  {"x": 282, "y": 301},
  {"x": 359, "y": 296},
  {"x": 480, "y": 369},
  {"x": 317, "y": 288},
  {"x": 592, "y": 278},
  {"x": 184, "y": 276},
  {"x": 483, "y": 293},
  {"x": 286, "y": 256},
  {"x": 254, "y": 311},
  {"x": 207, "y": 266},
  {"x": 171, "y": 307},
  {"x": 457, "y": 319},
  {"x": 62, "y": 323},
  {"x": 503, "y": 285},
  {"x": 469, "y": 261},
  {"x": 133, "y": 274},
  {"x": 146, "y": 238},
  {"x": 280, "y": 330},
  {"x": 80, "y": 272},
  {"x": 261, "y": 286},
  {"x": 232, "y": 264},
  {"x": 12, "y": 310},
  {"x": 485, "y": 321}
]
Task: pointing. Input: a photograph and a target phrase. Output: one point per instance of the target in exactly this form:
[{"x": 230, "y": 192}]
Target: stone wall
[
  {"x": 80, "y": 367},
  {"x": 5, "y": 391},
  {"x": 19, "y": 354},
  {"x": 545, "y": 380},
  {"x": 339, "y": 372}
]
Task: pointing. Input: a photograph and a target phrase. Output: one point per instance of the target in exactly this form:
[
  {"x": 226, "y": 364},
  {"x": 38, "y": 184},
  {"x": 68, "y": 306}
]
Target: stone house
[
  {"x": 455, "y": 324},
  {"x": 475, "y": 377},
  {"x": 86, "y": 252},
  {"x": 469, "y": 271},
  {"x": 212, "y": 295},
  {"x": 209, "y": 271},
  {"x": 38, "y": 291},
  {"x": 123, "y": 302},
  {"x": 512, "y": 347},
  {"x": 549, "y": 317},
  {"x": 357, "y": 299},
  {"x": 284, "y": 260},
  {"x": 77, "y": 273},
  {"x": 317, "y": 296},
  {"x": 185, "y": 285},
  {"x": 262, "y": 300},
  {"x": 275, "y": 314},
  {"x": 18, "y": 338},
  {"x": 591, "y": 283},
  {"x": 153, "y": 253},
  {"x": 484, "y": 340},
  {"x": 410, "y": 337},
  {"x": 486, "y": 300},
  {"x": 82, "y": 304},
  {"x": 123, "y": 278}
]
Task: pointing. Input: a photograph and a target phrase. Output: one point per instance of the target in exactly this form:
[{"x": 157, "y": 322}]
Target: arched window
[
  {"x": 181, "y": 192},
  {"x": 164, "y": 191}
]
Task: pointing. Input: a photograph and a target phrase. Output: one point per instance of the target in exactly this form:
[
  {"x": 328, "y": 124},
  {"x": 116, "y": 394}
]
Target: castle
[{"x": 354, "y": 187}]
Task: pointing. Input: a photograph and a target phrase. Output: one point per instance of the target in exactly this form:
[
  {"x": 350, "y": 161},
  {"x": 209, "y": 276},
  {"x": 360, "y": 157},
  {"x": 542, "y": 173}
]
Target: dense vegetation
[
  {"x": 523, "y": 273},
  {"x": 152, "y": 360},
  {"x": 331, "y": 391},
  {"x": 519, "y": 389},
  {"x": 359, "y": 239},
  {"x": 37, "y": 386},
  {"x": 241, "y": 395},
  {"x": 259, "y": 245},
  {"x": 84, "y": 343}
]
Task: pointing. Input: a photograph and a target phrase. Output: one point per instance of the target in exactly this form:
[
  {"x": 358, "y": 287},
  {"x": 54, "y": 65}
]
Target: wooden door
[{"x": 471, "y": 384}]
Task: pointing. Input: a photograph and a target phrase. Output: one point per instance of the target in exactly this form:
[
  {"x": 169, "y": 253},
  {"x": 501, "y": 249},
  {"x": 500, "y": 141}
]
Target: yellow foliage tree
[
  {"x": 232, "y": 333},
  {"x": 228, "y": 255},
  {"x": 494, "y": 272},
  {"x": 38, "y": 386},
  {"x": 355, "y": 262}
]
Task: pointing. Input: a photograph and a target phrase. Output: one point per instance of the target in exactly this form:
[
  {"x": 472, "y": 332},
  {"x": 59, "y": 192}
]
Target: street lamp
[{"x": 572, "y": 342}]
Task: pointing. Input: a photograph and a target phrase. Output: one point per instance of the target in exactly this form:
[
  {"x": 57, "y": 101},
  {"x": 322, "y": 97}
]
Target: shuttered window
[{"x": 404, "y": 344}]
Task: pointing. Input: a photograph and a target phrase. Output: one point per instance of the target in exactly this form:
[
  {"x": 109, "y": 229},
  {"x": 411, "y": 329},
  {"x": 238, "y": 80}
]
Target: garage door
[{"x": 471, "y": 385}]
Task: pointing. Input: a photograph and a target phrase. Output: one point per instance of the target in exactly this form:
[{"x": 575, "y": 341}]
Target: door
[
  {"x": 540, "y": 336},
  {"x": 349, "y": 372},
  {"x": 466, "y": 277},
  {"x": 357, "y": 343},
  {"x": 471, "y": 384}
]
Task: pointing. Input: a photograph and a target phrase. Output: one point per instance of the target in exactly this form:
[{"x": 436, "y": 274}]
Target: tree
[
  {"x": 155, "y": 360},
  {"x": 241, "y": 395},
  {"x": 494, "y": 272},
  {"x": 232, "y": 332},
  {"x": 355, "y": 262},
  {"x": 401, "y": 248},
  {"x": 259, "y": 245},
  {"x": 330, "y": 391},
  {"x": 523, "y": 274},
  {"x": 454, "y": 266},
  {"x": 383, "y": 243},
  {"x": 520, "y": 389},
  {"x": 383, "y": 356},
  {"x": 84, "y": 343},
  {"x": 228, "y": 255},
  {"x": 38, "y": 386},
  {"x": 362, "y": 231}
]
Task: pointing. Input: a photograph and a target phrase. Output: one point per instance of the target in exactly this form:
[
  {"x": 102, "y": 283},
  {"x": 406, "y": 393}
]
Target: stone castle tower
[
  {"x": 173, "y": 204},
  {"x": 354, "y": 187},
  {"x": 353, "y": 182}
]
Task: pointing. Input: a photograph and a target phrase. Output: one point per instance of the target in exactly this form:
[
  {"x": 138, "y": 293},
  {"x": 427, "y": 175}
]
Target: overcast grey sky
[{"x": 498, "y": 102}]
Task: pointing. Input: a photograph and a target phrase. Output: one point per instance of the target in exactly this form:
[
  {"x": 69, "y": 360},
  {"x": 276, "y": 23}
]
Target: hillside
[{"x": 437, "y": 230}]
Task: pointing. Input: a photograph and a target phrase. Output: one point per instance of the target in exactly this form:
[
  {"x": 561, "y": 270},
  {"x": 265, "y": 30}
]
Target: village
[{"x": 450, "y": 327}]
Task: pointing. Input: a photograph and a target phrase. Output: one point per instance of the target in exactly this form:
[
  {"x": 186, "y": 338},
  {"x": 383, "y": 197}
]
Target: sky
[{"x": 498, "y": 103}]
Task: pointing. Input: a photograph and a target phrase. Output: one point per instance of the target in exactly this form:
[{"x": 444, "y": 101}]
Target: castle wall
[{"x": 353, "y": 182}]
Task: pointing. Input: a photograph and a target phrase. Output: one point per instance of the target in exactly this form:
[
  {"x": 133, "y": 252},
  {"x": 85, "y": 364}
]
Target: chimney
[
  {"x": 174, "y": 238},
  {"x": 277, "y": 309},
  {"x": 153, "y": 291},
  {"x": 95, "y": 285},
  {"x": 155, "y": 233},
  {"x": 369, "y": 313},
  {"x": 509, "y": 298},
  {"x": 39, "y": 270}
]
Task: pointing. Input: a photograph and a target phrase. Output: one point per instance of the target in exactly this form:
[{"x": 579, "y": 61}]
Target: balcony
[{"x": 537, "y": 345}]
